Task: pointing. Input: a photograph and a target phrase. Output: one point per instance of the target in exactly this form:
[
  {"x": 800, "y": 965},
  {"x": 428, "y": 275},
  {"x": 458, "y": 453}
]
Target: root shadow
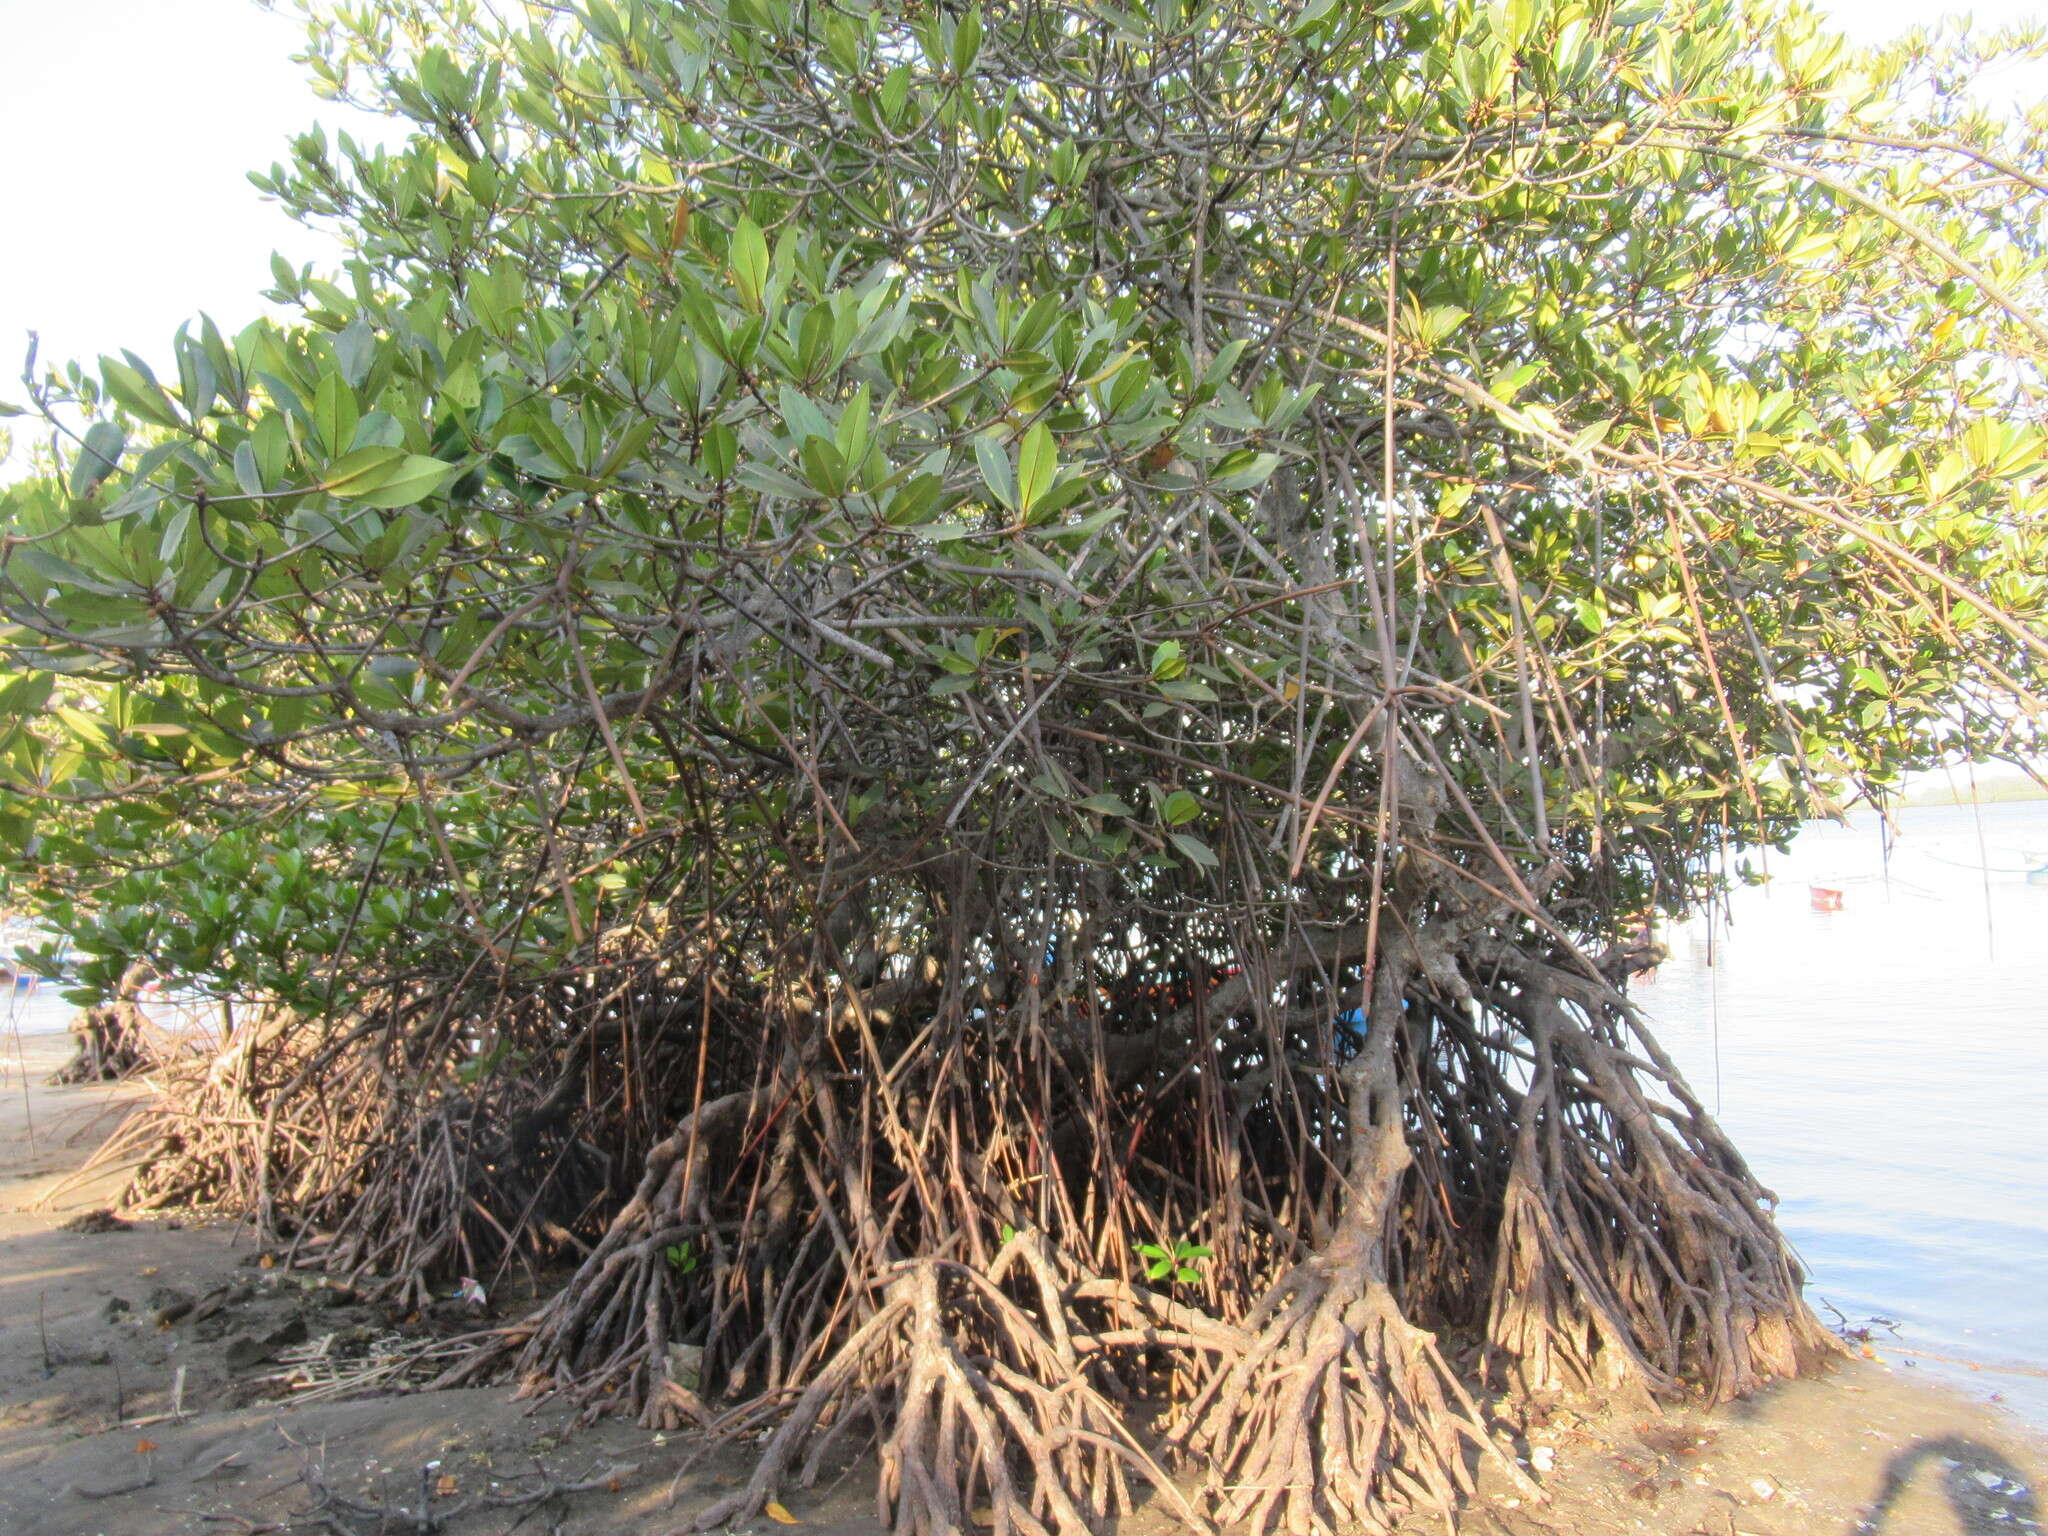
[{"x": 1986, "y": 1493}]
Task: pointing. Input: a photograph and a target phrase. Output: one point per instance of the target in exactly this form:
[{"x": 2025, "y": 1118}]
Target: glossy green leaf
[
  {"x": 748, "y": 257},
  {"x": 1106, "y": 805},
  {"x": 996, "y": 472},
  {"x": 1037, "y": 464},
  {"x": 99, "y": 455}
]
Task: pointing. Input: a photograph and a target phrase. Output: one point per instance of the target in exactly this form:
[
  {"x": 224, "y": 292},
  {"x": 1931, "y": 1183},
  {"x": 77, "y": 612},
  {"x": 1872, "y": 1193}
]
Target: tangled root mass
[{"x": 1037, "y": 1234}]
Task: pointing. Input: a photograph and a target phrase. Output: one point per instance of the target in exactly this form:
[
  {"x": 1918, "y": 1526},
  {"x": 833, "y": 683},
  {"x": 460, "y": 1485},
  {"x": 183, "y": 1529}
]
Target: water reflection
[
  {"x": 41, "y": 1012},
  {"x": 1885, "y": 1069}
]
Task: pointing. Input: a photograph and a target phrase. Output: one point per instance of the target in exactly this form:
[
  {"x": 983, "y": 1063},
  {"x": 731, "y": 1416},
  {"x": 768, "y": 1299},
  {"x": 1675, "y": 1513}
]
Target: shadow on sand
[{"x": 1988, "y": 1494}]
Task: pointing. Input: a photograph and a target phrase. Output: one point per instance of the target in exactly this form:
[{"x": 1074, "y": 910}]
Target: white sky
[
  {"x": 128, "y": 126},
  {"x": 1873, "y": 21}
]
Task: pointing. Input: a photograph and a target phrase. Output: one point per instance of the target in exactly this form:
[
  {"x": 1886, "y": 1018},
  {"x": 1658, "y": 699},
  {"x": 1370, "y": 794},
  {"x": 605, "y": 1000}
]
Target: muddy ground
[{"x": 160, "y": 1377}]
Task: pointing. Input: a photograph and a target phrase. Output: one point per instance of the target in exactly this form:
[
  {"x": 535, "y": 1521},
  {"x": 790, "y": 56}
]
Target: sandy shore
[{"x": 88, "y": 1379}]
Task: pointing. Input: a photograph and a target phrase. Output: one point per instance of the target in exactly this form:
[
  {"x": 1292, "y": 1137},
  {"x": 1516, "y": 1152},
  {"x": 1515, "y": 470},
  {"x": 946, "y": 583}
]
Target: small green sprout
[{"x": 1179, "y": 1262}]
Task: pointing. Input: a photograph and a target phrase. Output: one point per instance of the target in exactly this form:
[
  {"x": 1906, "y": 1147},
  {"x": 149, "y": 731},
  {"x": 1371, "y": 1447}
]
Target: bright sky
[
  {"x": 128, "y": 126},
  {"x": 1873, "y": 21}
]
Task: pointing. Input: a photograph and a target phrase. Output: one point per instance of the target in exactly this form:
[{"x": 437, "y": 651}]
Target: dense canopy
[{"x": 974, "y": 705}]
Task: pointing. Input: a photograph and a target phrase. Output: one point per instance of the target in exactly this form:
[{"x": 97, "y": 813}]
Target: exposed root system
[
  {"x": 116, "y": 1039},
  {"x": 1032, "y": 1240},
  {"x": 977, "y": 1400},
  {"x": 1635, "y": 1247}
]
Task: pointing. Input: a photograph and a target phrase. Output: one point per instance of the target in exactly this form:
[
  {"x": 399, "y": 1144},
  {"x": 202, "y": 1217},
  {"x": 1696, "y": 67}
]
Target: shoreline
[{"x": 1870, "y": 1448}]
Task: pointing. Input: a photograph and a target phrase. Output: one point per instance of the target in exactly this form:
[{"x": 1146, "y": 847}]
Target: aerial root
[
  {"x": 1636, "y": 1251},
  {"x": 604, "y": 1338},
  {"x": 1340, "y": 1415},
  {"x": 983, "y": 1405}
]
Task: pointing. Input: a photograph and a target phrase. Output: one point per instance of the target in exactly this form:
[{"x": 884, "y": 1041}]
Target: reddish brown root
[
  {"x": 984, "y": 1407},
  {"x": 1635, "y": 1251},
  {"x": 1339, "y": 1415},
  {"x": 606, "y": 1337},
  {"x": 115, "y": 1040},
  {"x": 208, "y": 1137}
]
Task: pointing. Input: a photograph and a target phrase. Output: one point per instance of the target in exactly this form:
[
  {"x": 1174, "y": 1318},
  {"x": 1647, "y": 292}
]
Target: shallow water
[
  {"x": 42, "y": 1012},
  {"x": 1885, "y": 1070}
]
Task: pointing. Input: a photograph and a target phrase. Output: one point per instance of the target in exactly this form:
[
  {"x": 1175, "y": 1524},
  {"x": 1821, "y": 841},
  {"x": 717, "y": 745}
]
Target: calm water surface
[
  {"x": 42, "y": 1012},
  {"x": 1885, "y": 1070}
]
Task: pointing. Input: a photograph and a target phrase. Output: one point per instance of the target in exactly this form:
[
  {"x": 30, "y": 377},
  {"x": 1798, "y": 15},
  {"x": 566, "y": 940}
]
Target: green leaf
[
  {"x": 995, "y": 471},
  {"x": 748, "y": 258},
  {"x": 1105, "y": 805},
  {"x": 386, "y": 477},
  {"x": 1179, "y": 808},
  {"x": 895, "y": 91},
  {"x": 823, "y": 466},
  {"x": 140, "y": 393},
  {"x": 917, "y": 496},
  {"x": 1037, "y": 463},
  {"x": 1197, "y": 850},
  {"x": 967, "y": 42},
  {"x": 626, "y": 450},
  {"x": 248, "y": 477},
  {"x": 1084, "y": 527},
  {"x": 462, "y": 388},
  {"x": 355, "y": 348},
  {"x": 765, "y": 477},
  {"x": 720, "y": 447},
  {"x": 1311, "y": 13},
  {"x": 1439, "y": 320},
  {"x": 174, "y": 535},
  {"x": 335, "y": 414},
  {"x": 54, "y": 568},
  {"x": 802, "y": 416},
  {"x": 855, "y": 425},
  {"x": 363, "y": 471},
  {"x": 1221, "y": 365},
  {"x": 99, "y": 455},
  {"x": 1245, "y": 476}
]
